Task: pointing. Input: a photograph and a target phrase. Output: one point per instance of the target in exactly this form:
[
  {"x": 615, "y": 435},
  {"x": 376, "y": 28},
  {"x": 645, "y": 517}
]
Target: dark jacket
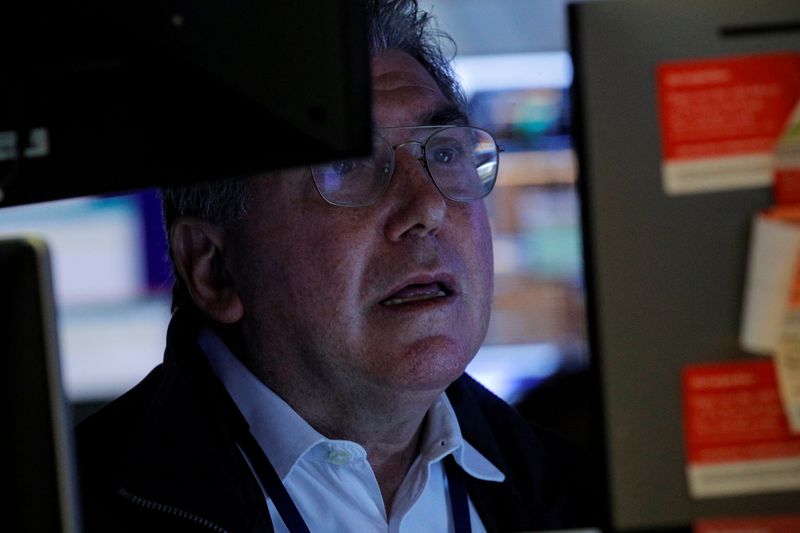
[{"x": 163, "y": 457}]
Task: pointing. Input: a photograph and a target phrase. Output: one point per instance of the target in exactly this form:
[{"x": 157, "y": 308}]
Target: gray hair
[
  {"x": 391, "y": 25},
  {"x": 222, "y": 202},
  {"x": 401, "y": 25}
]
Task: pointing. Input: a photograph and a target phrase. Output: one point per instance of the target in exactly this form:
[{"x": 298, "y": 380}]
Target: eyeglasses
[{"x": 461, "y": 161}]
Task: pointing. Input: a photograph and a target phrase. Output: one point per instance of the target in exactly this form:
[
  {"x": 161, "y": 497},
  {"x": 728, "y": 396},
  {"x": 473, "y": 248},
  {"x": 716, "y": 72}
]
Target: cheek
[
  {"x": 340, "y": 276},
  {"x": 486, "y": 245},
  {"x": 308, "y": 264},
  {"x": 481, "y": 255}
]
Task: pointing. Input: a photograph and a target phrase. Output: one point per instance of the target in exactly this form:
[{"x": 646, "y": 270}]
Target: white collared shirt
[{"x": 330, "y": 481}]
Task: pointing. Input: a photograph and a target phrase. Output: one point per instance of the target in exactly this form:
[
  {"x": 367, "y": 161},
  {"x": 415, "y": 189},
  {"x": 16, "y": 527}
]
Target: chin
[{"x": 431, "y": 364}]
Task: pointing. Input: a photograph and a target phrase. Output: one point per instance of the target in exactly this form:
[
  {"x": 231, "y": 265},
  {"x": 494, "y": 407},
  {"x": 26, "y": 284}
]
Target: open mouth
[{"x": 417, "y": 292}]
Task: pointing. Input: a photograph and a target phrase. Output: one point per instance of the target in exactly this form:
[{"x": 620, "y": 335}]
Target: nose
[{"x": 417, "y": 207}]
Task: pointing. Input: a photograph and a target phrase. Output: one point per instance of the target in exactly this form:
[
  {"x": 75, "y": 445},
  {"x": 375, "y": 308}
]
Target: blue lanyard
[
  {"x": 276, "y": 492},
  {"x": 459, "y": 501}
]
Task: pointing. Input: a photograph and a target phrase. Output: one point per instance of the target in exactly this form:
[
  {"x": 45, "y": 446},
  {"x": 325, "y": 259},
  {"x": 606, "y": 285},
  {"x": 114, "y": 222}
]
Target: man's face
[{"x": 395, "y": 295}]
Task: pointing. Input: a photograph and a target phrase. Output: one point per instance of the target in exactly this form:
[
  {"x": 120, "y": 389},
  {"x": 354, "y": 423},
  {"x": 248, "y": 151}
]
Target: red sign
[
  {"x": 771, "y": 524},
  {"x": 721, "y": 119},
  {"x": 726, "y": 106},
  {"x": 737, "y": 436}
]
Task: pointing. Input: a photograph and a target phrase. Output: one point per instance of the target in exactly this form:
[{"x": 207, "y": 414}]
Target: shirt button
[{"x": 339, "y": 457}]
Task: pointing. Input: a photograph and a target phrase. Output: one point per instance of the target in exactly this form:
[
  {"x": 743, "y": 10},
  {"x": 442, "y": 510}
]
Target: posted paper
[
  {"x": 721, "y": 118},
  {"x": 736, "y": 433}
]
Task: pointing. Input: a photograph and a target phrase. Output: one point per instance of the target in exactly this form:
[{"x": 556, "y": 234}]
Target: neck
[
  {"x": 391, "y": 466},
  {"x": 391, "y": 461},
  {"x": 390, "y": 436},
  {"x": 389, "y": 428}
]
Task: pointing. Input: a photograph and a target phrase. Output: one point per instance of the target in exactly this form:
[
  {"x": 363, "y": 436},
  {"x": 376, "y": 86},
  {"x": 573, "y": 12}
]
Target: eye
[
  {"x": 344, "y": 167},
  {"x": 347, "y": 167},
  {"x": 446, "y": 155}
]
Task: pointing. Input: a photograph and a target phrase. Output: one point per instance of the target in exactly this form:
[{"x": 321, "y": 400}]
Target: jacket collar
[{"x": 190, "y": 419}]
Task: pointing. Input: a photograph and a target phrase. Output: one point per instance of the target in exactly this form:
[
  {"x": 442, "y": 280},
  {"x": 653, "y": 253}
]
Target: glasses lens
[
  {"x": 462, "y": 162},
  {"x": 355, "y": 182}
]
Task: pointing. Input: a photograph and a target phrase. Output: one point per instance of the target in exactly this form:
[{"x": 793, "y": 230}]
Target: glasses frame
[{"x": 422, "y": 159}]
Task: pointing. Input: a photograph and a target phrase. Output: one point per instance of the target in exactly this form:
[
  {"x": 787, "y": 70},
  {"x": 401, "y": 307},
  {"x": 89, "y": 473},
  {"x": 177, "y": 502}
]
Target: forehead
[{"x": 403, "y": 92}]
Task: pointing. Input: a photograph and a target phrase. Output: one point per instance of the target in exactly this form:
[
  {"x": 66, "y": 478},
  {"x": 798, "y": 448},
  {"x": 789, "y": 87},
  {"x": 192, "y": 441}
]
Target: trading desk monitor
[
  {"x": 99, "y": 96},
  {"x": 665, "y": 272},
  {"x": 39, "y": 490}
]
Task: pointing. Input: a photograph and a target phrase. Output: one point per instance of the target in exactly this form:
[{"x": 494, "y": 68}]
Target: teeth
[{"x": 410, "y": 299}]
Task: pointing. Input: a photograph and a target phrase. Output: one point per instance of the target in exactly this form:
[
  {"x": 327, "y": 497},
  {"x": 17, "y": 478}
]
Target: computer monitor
[
  {"x": 665, "y": 271},
  {"x": 39, "y": 489},
  {"x": 100, "y": 97}
]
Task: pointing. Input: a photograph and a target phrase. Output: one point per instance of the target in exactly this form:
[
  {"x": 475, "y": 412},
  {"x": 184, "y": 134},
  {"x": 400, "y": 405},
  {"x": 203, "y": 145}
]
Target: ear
[{"x": 198, "y": 249}]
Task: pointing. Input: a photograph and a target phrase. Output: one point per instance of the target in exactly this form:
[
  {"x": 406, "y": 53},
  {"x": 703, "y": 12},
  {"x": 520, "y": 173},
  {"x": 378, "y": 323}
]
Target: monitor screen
[
  {"x": 114, "y": 96},
  {"x": 39, "y": 490}
]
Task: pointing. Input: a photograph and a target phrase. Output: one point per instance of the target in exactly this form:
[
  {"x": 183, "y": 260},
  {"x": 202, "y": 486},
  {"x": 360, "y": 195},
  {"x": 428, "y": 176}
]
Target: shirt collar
[
  {"x": 442, "y": 436},
  {"x": 283, "y": 435},
  {"x": 286, "y": 437}
]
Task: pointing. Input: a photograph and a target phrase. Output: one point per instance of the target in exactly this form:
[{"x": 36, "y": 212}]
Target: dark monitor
[
  {"x": 665, "y": 272},
  {"x": 39, "y": 489},
  {"x": 100, "y": 96}
]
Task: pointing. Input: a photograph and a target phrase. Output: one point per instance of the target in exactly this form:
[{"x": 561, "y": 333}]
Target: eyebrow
[{"x": 445, "y": 115}]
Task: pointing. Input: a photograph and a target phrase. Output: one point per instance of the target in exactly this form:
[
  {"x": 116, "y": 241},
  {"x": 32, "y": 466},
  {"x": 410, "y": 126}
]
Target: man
[{"x": 320, "y": 315}]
